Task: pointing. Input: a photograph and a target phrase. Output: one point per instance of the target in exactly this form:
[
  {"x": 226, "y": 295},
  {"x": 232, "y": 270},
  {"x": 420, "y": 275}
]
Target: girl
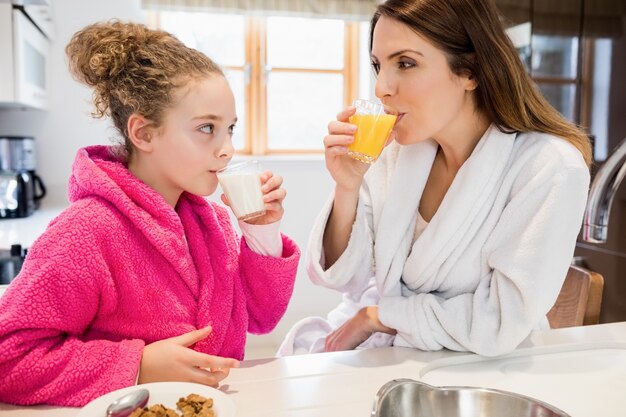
[
  {"x": 461, "y": 235},
  {"x": 141, "y": 279}
]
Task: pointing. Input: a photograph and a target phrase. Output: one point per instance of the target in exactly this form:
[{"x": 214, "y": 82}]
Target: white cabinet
[{"x": 24, "y": 54}]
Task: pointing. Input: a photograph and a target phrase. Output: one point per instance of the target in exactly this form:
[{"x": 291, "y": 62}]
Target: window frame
[
  {"x": 255, "y": 71},
  {"x": 582, "y": 83}
]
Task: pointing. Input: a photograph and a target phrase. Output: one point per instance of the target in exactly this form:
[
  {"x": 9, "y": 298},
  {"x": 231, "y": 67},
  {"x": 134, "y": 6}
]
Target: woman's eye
[
  {"x": 207, "y": 129},
  {"x": 376, "y": 67},
  {"x": 231, "y": 129},
  {"x": 405, "y": 64}
]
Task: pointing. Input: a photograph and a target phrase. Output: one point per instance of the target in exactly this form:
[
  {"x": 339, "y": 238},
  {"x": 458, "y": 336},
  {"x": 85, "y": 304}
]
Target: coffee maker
[{"x": 21, "y": 189}]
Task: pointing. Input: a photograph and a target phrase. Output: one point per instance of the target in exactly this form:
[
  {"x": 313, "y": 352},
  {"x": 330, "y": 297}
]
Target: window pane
[
  {"x": 304, "y": 43},
  {"x": 236, "y": 81},
  {"x": 367, "y": 81},
  {"x": 302, "y": 126},
  {"x": 221, "y": 37},
  {"x": 562, "y": 97},
  {"x": 554, "y": 56},
  {"x": 521, "y": 37}
]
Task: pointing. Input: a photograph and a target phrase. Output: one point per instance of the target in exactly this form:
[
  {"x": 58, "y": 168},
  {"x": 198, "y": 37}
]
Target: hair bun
[{"x": 101, "y": 51}]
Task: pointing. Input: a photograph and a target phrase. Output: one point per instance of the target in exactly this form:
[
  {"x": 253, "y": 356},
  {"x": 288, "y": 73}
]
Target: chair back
[{"x": 579, "y": 301}]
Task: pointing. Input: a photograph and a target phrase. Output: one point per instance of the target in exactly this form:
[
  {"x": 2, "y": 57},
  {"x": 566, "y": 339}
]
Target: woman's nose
[{"x": 384, "y": 86}]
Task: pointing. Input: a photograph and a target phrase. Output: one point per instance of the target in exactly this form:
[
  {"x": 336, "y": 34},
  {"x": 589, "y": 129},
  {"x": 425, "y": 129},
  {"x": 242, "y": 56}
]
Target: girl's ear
[{"x": 139, "y": 132}]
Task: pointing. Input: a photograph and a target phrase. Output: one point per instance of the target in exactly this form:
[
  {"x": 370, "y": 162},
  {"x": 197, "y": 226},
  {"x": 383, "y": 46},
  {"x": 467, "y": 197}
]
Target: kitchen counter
[
  {"x": 580, "y": 370},
  {"x": 26, "y": 230}
]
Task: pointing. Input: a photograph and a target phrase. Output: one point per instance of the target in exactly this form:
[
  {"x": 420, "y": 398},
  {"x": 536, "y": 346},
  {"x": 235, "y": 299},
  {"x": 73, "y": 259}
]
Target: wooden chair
[{"x": 579, "y": 301}]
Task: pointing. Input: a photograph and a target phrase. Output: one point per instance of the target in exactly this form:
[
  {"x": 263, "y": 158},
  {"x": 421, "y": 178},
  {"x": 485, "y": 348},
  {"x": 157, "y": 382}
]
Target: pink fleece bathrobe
[{"x": 120, "y": 269}]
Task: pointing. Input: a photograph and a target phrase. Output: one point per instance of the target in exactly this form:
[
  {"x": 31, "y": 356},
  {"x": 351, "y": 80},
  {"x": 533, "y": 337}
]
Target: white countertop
[
  {"x": 580, "y": 370},
  {"x": 27, "y": 229}
]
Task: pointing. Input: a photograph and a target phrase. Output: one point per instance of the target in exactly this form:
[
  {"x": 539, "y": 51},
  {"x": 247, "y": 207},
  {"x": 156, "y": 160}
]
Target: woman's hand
[
  {"x": 273, "y": 197},
  {"x": 172, "y": 360},
  {"x": 356, "y": 330},
  {"x": 347, "y": 172}
]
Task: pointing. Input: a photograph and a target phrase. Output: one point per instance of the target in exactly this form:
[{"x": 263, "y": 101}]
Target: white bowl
[{"x": 166, "y": 393}]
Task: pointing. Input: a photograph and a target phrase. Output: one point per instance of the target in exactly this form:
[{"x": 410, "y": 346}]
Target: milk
[{"x": 244, "y": 193}]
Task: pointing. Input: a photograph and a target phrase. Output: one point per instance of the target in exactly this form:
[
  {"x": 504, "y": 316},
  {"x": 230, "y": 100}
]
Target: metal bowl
[{"x": 406, "y": 397}]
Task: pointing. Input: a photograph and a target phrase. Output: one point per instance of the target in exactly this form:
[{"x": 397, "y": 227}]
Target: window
[
  {"x": 290, "y": 75},
  {"x": 554, "y": 68}
]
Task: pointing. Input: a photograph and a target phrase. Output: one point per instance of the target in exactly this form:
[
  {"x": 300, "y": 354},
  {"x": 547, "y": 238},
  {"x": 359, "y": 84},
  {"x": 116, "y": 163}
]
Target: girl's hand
[
  {"x": 273, "y": 197},
  {"x": 172, "y": 360},
  {"x": 356, "y": 330},
  {"x": 347, "y": 172}
]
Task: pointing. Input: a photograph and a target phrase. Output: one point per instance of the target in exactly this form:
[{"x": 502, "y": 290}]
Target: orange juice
[{"x": 371, "y": 135}]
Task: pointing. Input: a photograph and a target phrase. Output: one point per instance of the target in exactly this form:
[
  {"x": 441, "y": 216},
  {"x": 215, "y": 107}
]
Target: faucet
[{"x": 601, "y": 193}]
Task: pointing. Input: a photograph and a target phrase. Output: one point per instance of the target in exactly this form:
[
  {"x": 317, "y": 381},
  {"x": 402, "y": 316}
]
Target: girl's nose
[{"x": 227, "y": 150}]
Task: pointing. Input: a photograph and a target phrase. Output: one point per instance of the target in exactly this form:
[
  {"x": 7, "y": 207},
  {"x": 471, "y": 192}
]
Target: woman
[{"x": 461, "y": 234}]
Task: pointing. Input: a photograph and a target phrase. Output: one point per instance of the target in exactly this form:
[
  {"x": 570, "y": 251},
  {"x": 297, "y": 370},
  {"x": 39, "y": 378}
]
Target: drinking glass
[
  {"x": 241, "y": 182},
  {"x": 374, "y": 124}
]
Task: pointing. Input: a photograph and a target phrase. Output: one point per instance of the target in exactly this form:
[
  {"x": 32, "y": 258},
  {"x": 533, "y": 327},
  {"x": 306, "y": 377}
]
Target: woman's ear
[
  {"x": 468, "y": 76},
  {"x": 470, "y": 82},
  {"x": 139, "y": 132}
]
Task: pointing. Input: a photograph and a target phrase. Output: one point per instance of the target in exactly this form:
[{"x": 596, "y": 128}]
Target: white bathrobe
[{"x": 487, "y": 268}]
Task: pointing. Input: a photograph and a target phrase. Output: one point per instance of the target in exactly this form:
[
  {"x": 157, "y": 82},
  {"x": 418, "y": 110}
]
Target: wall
[{"x": 67, "y": 126}]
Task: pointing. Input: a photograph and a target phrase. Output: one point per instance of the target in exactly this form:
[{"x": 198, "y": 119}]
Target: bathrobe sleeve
[
  {"x": 268, "y": 284},
  {"x": 42, "y": 317},
  {"x": 355, "y": 267},
  {"x": 529, "y": 252}
]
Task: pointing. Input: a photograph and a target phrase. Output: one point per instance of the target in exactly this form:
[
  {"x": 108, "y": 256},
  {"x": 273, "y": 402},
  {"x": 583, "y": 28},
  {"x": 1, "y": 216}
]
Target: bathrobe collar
[
  {"x": 473, "y": 187},
  {"x": 98, "y": 172}
]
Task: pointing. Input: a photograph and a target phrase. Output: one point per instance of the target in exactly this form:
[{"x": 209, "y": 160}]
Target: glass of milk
[{"x": 241, "y": 183}]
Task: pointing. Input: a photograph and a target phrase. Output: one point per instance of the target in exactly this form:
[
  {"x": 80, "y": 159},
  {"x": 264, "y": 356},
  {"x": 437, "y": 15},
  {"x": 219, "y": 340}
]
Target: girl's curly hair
[{"x": 133, "y": 69}]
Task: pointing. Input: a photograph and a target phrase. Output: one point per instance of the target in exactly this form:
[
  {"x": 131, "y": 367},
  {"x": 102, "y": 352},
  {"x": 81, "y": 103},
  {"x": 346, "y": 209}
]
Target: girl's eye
[
  {"x": 207, "y": 129},
  {"x": 231, "y": 129}
]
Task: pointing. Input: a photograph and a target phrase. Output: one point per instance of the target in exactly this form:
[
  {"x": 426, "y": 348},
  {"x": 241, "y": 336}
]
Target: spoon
[{"x": 128, "y": 403}]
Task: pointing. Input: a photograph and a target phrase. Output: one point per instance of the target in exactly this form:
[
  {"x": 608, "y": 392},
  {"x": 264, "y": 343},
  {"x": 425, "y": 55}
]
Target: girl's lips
[
  {"x": 400, "y": 115},
  {"x": 214, "y": 171}
]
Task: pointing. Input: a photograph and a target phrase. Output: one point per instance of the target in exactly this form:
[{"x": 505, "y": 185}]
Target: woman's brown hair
[
  {"x": 470, "y": 33},
  {"x": 133, "y": 69}
]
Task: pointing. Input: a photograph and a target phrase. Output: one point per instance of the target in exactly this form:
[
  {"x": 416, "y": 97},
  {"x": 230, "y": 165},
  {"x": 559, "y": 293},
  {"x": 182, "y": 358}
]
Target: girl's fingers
[
  {"x": 192, "y": 337},
  {"x": 202, "y": 360},
  {"x": 277, "y": 207},
  {"x": 275, "y": 195},
  {"x": 265, "y": 176},
  {"x": 223, "y": 372},
  {"x": 225, "y": 199},
  {"x": 272, "y": 183},
  {"x": 206, "y": 377}
]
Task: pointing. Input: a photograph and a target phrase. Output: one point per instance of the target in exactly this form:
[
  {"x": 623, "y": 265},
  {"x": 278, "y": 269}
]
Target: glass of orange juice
[{"x": 374, "y": 123}]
